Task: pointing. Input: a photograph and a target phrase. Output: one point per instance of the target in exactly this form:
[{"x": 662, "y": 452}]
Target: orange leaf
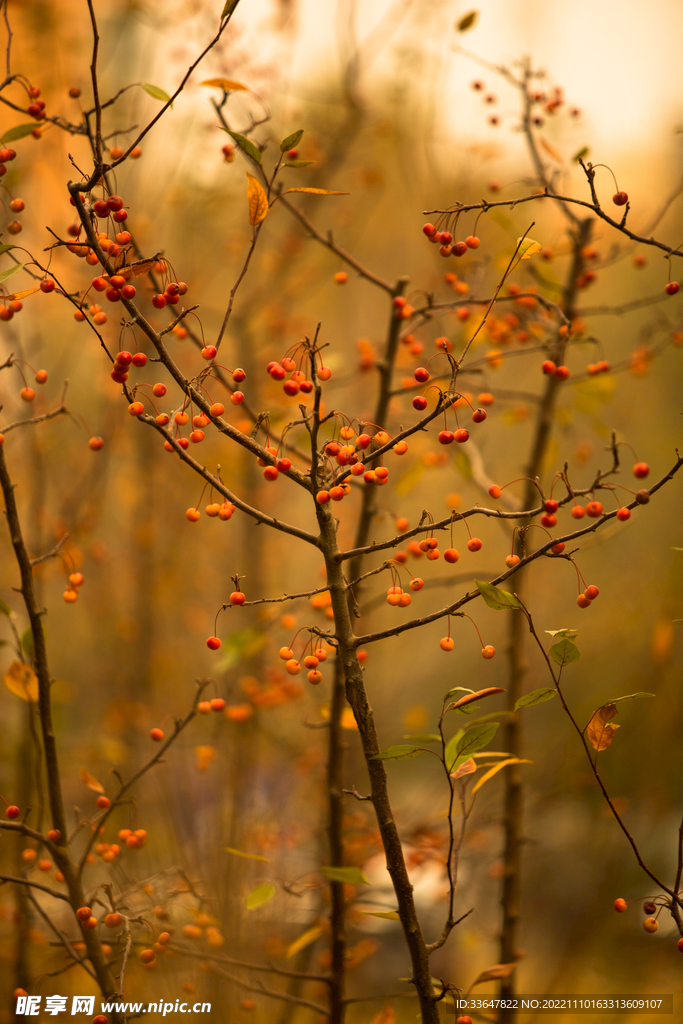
[
  {"x": 21, "y": 680},
  {"x": 600, "y": 730},
  {"x": 258, "y": 200},
  {"x": 552, "y": 151},
  {"x": 225, "y": 83},
  {"x": 316, "y": 192},
  {"x": 470, "y": 697},
  {"x": 90, "y": 781},
  {"x": 466, "y": 768},
  {"x": 494, "y": 974},
  {"x": 385, "y": 1016}
]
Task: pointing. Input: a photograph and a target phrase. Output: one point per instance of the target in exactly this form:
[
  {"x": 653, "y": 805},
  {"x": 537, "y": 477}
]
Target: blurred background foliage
[{"x": 388, "y": 116}]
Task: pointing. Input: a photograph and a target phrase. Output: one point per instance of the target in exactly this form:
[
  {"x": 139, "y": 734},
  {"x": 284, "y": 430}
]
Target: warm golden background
[{"x": 389, "y": 117}]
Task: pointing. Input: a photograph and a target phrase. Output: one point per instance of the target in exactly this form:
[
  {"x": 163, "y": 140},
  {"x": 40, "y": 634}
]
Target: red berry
[
  {"x": 139, "y": 359},
  {"x": 549, "y": 367},
  {"x": 209, "y": 352},
  {"x": 474, "y": 544},
  {"x": 591, "y": 592},
  {"x": 623, "y": 514},
  {"x": 461, "y": 435},
  {"x": 550, "y": 505},
  {"x": 96, "y": 443},
  {"x": 157, "y": 735},
  {"x": 472, "y": 242},
  {"x": 562, "y": 372},
  {"x": 594, "y": 509},
  {"x": 446, "y": 437},
  {"x": 578, "y": 512},
  {"x": 620, "y": 198},
  {"x": 583, "y": 601},
  {"x": 672, "y": 287},
  {"x": 641, "y": 469},
  {"x": 47, "y": 285},
  {"x": 421, "y": 375},
  {"x": 512, "y": 560},
  {"x": 429, "y": 230},
  {"x": 494, "y": 491},
  {"x": 419, "y": 403},
  {"x": 237, "y": 598},
  {"x": 103, "y": 802},
  {"x": 13, "y": 812},
  {"x": 488, "y": 652},
  {"x": 479, "y": 415}
]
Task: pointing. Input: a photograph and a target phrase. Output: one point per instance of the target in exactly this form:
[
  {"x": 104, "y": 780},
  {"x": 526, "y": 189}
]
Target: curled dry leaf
[
  {"x": 600, "y": 729},
  {"x": 258, "y": 201},
  {"x": 470, "y": 697},
  {"x": 21, "y": 680},
  {"x": 90, "y": 781},
  {"x": 316, "y": 192}
]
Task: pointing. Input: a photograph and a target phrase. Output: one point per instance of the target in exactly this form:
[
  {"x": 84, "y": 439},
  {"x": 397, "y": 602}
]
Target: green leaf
[
  {"x": 230, "y": 6},
  {"x": 535, "y": 697},
  {"x": 246, "y": 145},
  {"x": 155, "y": 92},
  {"x": 467, "y": 22},
  {"x": 299, "y": 163},
  {"x": 6, "y": 248},
  {"x": 495, "y": 597},
  {"x": 5, "y": 609},
  {"x": 564, "y": 634},
  {"x": 475, "y": 738},
  {"x": 350, "y": 876},
  {"x": 10, "y": 272},
  {"x": 581, "y": 154},
  {"x": 27, "y": 642},
  {"x": 259, "y": 896},
  {"x": 291, "y": 141},
  {"x": 20, "y": 131},
  {"x": 398, "y": 751},
  {"x": 242, "y": 645},
  {"x": 564, "y": 653},
  {"x": 450, "y": 753},
  {"x": 631, "y": 696},
  {"x": 423, "y": 737}
]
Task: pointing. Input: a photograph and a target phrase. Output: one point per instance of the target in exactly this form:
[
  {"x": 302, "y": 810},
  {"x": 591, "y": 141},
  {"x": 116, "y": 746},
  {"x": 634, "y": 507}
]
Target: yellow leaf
[
  {"x": 21, "y": 680},
  {"x": 90, "y": 781},
  {"x": 258, "y": 200},
  {"x": 20, "y": 295},
  {"x": 225, "y": 83},
  {"x": 316, "y": 192},
  {"x": 527, "y": 248},
  {"x": 552, "y": 151},
  {"x": 347, "y": 719},
  {"x": 249, "y": 856},
  {"x": 466, "y": 768},
  {"x": 600, "y": 730},
  {"x": 388, "y": 915},
  {"x": 385, "y": 1016},
  {"x": 306, "y": 939},
  {"x": 496, "y": 768}
]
